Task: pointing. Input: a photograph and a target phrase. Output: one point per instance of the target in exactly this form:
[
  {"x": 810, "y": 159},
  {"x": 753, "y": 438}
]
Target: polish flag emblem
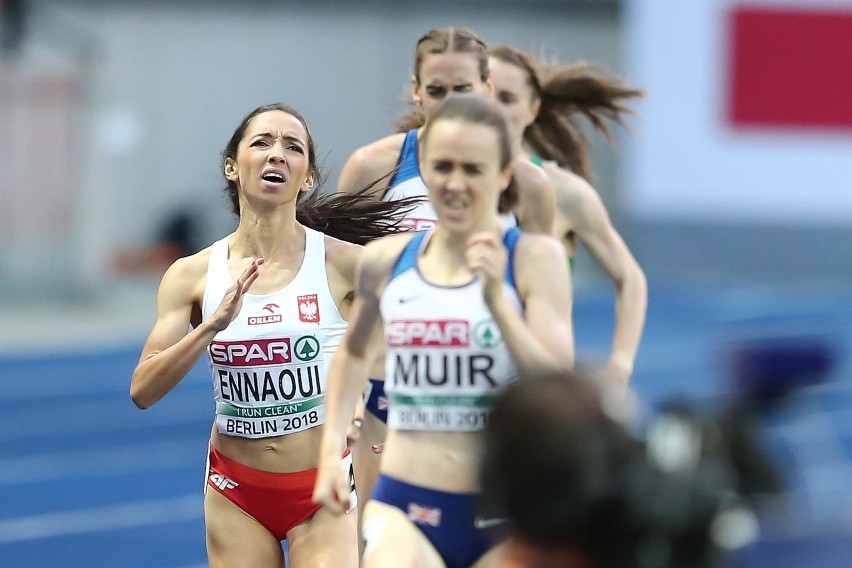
[{"x": 309, "y": 308}]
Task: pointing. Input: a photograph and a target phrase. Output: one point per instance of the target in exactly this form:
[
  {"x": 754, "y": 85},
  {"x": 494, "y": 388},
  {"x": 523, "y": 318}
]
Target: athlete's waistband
[{"x": 261, "y": 478}]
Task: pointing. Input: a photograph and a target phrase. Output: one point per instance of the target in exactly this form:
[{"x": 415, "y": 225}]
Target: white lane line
[
  {"x": 92, "y": 417},
  {"x": 102, "y": 519},
  {"x": 101, "y": 462},
  {"x": 65, "y": 386}
]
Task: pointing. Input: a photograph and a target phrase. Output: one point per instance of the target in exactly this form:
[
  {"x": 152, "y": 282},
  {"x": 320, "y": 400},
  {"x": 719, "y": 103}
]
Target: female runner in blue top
[{"x": 463, "y": 308}]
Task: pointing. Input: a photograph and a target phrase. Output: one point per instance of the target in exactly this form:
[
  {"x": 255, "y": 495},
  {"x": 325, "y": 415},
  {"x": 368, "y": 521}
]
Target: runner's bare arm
[
  {"x": 170, "y": 352},
  {"x": 348, "y": 373},
  {"x": 548, "y": 300},
  {"x": 537, "y": 200},
  {"x": 541, "y": 339},
  {"x": 370, "y": 163},
  {"x": 594, "y": 228}
]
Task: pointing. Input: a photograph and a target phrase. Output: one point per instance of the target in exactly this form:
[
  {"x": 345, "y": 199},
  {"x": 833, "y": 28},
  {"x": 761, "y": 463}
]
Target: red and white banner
[
  {"x": 749, "y": 110},
  {"x": 789, "y": 67}
]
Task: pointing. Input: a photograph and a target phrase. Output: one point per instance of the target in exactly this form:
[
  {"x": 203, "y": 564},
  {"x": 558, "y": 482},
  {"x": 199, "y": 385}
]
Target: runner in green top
[{"x": 544, "y": 103}]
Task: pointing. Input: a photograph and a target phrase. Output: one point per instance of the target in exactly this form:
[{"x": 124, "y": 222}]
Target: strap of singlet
[
  {"x": 406, "y": 164},
  {"x": 314, "y": 262},
  {"x": 218, "y": 278},
  {"x": 408, "y": 257},
  {"x": 537, "y": 160},
  {"x": 510, "y": 239}
]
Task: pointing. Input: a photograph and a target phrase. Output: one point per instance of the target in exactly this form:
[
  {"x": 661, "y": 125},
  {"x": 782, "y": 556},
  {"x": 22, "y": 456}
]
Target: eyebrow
[
  {"x": 446, "y": 85},
  {"x": 285, "y": 137},
  {"x": 468, "y": 163}
]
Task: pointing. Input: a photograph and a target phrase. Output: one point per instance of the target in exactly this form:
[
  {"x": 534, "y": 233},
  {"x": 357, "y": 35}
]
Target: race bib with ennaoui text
[{"x": 268, "y": 387}]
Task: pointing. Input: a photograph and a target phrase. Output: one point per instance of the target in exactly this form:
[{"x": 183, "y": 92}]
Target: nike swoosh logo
[
  {"x": 411, "y": 299},
  {"x": 481, "y": 523}
]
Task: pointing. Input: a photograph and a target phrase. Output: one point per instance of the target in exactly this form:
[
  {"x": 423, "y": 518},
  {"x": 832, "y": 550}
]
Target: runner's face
[
  {"x": 513, "y": 91},
  {"x": 272, "y": 164},
  {"x": 442, "y": 74},
  {"x": 460, "y": 164}
]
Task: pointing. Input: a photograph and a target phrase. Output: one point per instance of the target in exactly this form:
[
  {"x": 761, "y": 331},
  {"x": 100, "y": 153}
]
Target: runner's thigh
[
  {"x": 392, "y": 541},
  {"x": 236, "y": 540}
]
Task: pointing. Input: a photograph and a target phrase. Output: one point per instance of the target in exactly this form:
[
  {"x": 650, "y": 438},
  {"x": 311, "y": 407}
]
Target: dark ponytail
[
  {"x": 568, "y": 92},
  {"x": 354, "y": 217},
  {"x": 409, "y": 120}
]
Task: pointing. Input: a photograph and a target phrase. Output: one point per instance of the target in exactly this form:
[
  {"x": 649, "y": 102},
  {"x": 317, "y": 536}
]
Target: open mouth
[
  {"x": 456, "y": 205},
  {"x": 273, "y": 177}
]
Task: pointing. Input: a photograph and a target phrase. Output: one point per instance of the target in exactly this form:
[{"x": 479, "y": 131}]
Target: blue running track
[{"x": 88, "y": 480}]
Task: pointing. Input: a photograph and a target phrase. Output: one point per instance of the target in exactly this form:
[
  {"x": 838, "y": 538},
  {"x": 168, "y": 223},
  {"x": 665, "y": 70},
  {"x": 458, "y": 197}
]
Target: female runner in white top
[
  {"x": 445, "y": 368},
  {"x": 267, "y": 305}
]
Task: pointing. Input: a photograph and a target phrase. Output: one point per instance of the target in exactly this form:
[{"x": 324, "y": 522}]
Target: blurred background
[{"x": 733, "y": 188}]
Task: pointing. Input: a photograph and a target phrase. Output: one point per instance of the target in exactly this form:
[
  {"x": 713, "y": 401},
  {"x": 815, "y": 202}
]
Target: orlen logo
[
  {"x": 425, "y": 333},
  {"x": 309, "y": 308},
  {"x": 272, "y": 318},
  {"x": 251, "y": 353}
]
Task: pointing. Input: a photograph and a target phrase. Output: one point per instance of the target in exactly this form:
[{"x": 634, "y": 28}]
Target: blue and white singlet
[{"x": 446, "y": 359}]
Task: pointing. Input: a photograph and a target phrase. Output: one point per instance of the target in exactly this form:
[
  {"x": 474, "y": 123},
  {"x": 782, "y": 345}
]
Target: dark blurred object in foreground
[
  {"x": 12, "y": 26},
  {"x": 579, "y": 490}
]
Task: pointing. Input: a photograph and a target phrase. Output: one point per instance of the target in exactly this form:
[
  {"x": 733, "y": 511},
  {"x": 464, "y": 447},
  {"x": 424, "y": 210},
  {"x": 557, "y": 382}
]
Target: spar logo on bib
[
  {"x": 306, "y": 348},
  {"x": 251, "y": 353},
  {"x": 308, "y": 308},
  {"x": 428, "y": 333},
  {"x": 264, "y": 351},
  {"x": 486, "y": 334}
]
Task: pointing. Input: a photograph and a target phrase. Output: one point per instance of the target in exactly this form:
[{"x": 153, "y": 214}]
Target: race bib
[
  {"x": 439, "y": 413},
  {"x": 268, "y": 421}
]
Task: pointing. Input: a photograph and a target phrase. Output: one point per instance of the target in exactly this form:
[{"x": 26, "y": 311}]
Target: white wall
[{"x": 171, "y": 83}]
